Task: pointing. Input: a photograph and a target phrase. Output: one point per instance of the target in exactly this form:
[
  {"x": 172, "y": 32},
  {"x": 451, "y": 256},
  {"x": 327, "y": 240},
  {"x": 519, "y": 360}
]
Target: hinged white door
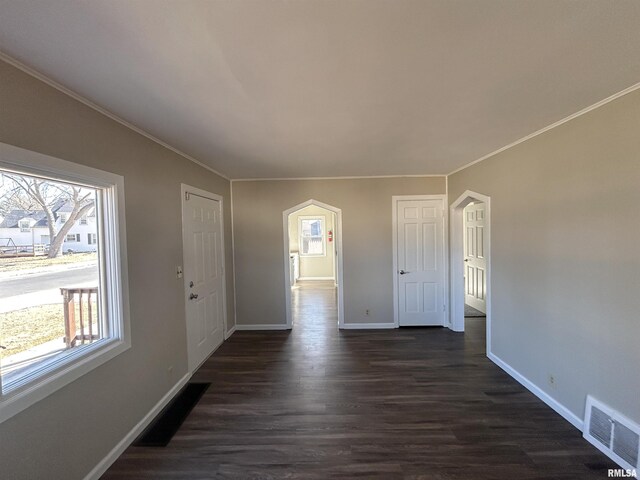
[
  {"x": 203, "y": 275},
  {"x": 475, "y": 262},
  {"x": 420, "y": 261}
]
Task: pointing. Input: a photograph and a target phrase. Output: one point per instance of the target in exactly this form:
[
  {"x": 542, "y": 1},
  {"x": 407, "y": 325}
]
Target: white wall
[
  {"x": 66, "y": 434},
  {"x": 565, "y": 265},
  {"x": 34, "y": 236},
  {"x": 18, "y": 237},
  {"x": 366, "y": 240},
  {"x": 83, "y": 245}
]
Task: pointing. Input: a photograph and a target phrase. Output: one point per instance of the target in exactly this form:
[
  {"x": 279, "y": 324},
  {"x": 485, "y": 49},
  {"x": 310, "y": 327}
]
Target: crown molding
[
  {"x": 52, "y": 83},
  {"x": 61, "y": 88},
  {"x": 333, "y": 178},
  {"x": 552, "y": 126}
]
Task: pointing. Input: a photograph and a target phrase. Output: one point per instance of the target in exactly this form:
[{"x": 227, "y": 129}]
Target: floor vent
[{"x": 613, "y": 434}]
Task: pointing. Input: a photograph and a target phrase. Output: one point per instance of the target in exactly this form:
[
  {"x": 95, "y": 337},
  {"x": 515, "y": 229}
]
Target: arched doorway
[
  {"x": 457, "y": 261},
  {"x": 336, "y": 242}
]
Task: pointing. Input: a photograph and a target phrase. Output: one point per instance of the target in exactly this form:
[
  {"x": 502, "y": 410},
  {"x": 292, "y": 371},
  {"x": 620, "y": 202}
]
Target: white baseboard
[
  {"x": 122, "y": 445},
  {"x": 538, "y": 392},
  {"x": 230, "y": 332},
  {"x": 315, "y": 278},
  {"x": 367, "y": 326},
  {"x": 278, "y": 326}
]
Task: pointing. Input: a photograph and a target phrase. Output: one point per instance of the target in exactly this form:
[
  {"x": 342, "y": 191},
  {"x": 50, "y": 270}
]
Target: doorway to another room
[
  {"x": 419, "y": 260},
  {"x": 470, "y": 261},
  {"x": 204, "y": 273},
  {"x": 475, "y": 261},
  {"x": 313, "y": 266}
]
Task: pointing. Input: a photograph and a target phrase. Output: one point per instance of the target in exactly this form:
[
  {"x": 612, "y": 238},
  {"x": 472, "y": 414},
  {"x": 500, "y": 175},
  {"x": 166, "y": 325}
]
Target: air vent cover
[
  {"x": 612, "y": 433},
  {"x": 625, "y": 443},
  {"x": 600, "y": 426}
]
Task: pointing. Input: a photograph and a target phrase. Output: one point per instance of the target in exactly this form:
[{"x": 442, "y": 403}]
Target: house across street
[{"x": 27, "y": 231}]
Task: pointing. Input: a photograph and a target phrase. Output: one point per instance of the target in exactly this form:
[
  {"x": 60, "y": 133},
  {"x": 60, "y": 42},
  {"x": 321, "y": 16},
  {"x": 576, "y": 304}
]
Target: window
[
  {"x": 311, "y": 231},
  {"x": 91, "y": 238},
  {"x": 63, "y": 218},
  {"x": 54, "y": 335},
  {"x": 83, "y": 220},
  {"x": 25, "y": 226}
]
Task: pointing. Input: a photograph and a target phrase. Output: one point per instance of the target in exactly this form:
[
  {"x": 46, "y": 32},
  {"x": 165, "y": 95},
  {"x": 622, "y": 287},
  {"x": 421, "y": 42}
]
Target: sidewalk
[{"x": 44, "y": 270}]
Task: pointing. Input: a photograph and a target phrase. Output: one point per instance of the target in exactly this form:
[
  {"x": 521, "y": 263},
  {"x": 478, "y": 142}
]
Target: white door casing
[
  {"x": 419, "y": 261},
  {"x": 203, "y": 253},
  {"x": 456, "y": 262},
  {"x": 337, "y": 242},
  {"x": 475, "y": 276}
]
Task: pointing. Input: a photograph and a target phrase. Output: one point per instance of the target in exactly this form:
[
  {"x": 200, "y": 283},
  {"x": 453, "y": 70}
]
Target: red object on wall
[{"x": 330, "y": 235}]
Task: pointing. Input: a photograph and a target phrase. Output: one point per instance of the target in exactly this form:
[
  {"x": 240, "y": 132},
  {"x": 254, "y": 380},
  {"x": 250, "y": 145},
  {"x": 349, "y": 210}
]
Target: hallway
[
  {"x": 314, "y": 306},
  {"x": 318, "y": 403}
]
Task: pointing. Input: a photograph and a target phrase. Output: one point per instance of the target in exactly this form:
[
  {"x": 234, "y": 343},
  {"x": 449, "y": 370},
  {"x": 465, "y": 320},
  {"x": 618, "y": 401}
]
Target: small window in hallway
[{"x": 312, "y": 236}]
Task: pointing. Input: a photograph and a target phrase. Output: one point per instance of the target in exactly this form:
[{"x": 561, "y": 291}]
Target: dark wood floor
[{"x": 318, "y": 403}]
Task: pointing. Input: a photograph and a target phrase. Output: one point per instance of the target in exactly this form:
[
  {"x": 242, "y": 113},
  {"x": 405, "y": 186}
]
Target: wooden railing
[{"x": 81, "y": 327}]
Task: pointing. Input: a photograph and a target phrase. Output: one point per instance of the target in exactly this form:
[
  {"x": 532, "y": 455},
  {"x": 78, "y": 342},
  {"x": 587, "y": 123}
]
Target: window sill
[{"x": 63, "y": 372}]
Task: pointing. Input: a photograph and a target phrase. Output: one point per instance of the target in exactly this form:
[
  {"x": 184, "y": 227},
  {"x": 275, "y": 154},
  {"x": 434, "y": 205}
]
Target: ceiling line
[
  {"x": 52, "y": 83},
  {"x": 354, "y": 177},
  {"x": 579, "y": 113}
]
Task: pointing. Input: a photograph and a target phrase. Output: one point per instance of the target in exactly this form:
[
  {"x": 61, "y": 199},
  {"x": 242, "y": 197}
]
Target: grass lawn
[
  {"x": 29, "y": 327},
  {"x": 9, "y": 264}
]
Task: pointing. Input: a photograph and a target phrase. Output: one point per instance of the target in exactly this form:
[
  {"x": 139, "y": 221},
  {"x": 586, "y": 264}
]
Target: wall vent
[{"x": 613, "y": 434}]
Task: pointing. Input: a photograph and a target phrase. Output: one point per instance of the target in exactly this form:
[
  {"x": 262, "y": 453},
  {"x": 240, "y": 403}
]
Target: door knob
[
  {"x": 402, "y": 272},
  {"x": 193, "y": 296}
]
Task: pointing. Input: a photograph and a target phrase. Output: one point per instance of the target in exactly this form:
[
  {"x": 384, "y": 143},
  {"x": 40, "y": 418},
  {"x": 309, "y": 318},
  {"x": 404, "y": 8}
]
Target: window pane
[
  {"x": 312, "y": 228},
  {"x": 49, "y": 275},
  {"x": 311, "y": 236},
  {"x": 312, "y": 246}
]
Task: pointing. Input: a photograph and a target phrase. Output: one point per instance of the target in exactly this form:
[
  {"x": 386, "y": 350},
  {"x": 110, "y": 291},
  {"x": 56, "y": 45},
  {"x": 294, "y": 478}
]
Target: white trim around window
[
  {"x": 322, "y": 237},
  {"x": 114, "y": 292}
]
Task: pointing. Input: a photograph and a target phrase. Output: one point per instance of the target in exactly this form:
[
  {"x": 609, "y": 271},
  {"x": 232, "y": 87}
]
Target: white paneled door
[
  {"x": 475, "y": 262},
  {"x": 203, "y": 275},
  {"x": 420, "y": 262}
]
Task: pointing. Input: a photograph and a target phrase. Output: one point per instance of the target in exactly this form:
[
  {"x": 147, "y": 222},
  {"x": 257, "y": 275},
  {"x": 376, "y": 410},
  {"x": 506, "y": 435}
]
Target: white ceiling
[{"x": 275, "y": 88}]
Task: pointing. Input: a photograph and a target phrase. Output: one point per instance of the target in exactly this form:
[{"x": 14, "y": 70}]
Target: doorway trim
[
  {"x": 337, "y": 238},
  {"x": 456, "y": 319},
  {"x": 445, "y": 231},
  {"x": 186, "y": 190}
]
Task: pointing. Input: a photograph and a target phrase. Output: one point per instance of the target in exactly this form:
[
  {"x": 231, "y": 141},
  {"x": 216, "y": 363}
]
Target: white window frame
[
  {"x": 63, "y": 218},
  {"x": 324, "y": 235},
  {"x": 110, "y": 211},
  {"x": 83, "y": 220},
  {"x": 75, "y": 238},
  {"x": 92, "y": 239},
  {"x": 24, "y": 229}
]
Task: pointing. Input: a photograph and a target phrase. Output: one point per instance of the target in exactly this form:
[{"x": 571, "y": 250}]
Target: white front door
[
  {"x": 203, "y": 276},
  {"x": 420, "y": 260},
  {"x": 475, "y": 263}
]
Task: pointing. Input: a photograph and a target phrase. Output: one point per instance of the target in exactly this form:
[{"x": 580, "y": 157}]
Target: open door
[{"x": 475, "y": 268}]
